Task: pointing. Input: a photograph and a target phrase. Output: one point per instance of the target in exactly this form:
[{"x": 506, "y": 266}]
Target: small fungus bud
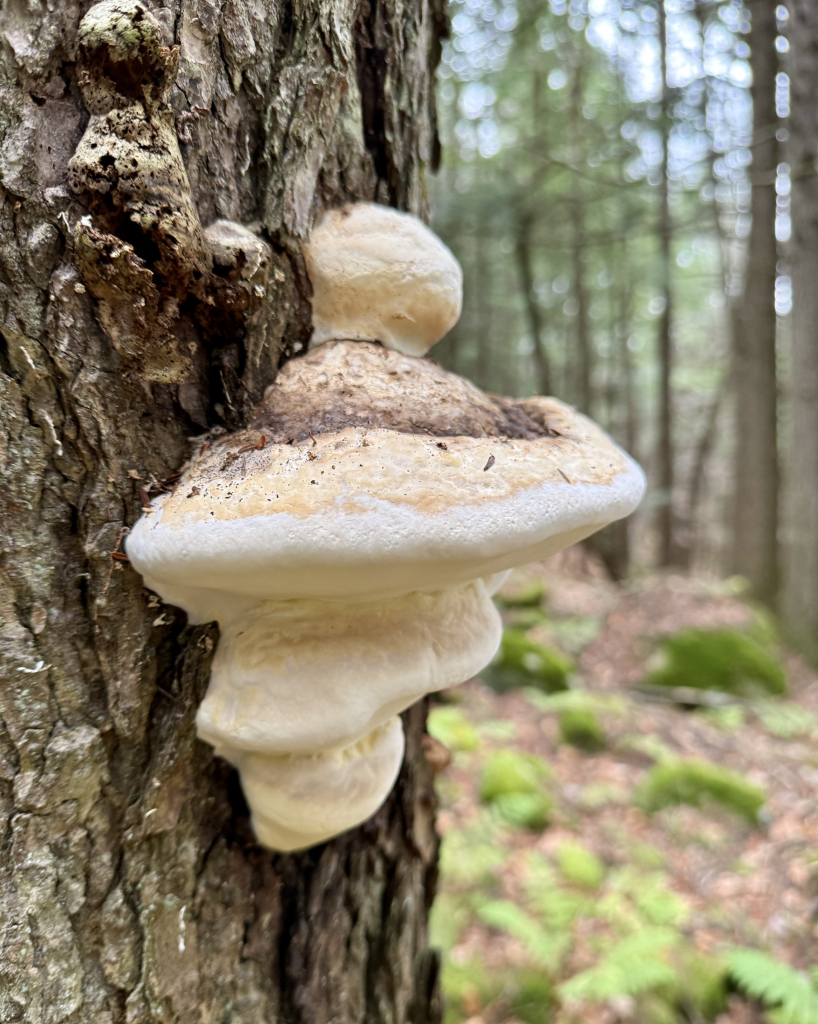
[{"x": 381, "y": 275}]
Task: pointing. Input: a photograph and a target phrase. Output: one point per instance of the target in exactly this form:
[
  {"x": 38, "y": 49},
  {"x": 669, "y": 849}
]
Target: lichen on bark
[{"x": 130, "y": 886}]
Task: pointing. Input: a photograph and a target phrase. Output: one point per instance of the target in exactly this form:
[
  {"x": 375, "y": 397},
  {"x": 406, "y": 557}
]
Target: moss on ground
[
  {"x": 513, "y": 783},
  {"x": 581, "y": 728},
  {"x": 530, "y": 595},
  {"x": 579, "y": 866},
  {"x": 451, "y": 727},
  {"x": 726, "y": 660},
  {"x": 698, "y": 783},
  {"x": 523, "y": 662}
]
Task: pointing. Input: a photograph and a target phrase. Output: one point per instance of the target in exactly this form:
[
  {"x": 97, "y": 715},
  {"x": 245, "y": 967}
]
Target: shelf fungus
[{"x": 349, "y": 540}]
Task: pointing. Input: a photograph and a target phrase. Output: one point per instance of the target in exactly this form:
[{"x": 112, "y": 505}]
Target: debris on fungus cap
[{"x": 381, "y": 275}]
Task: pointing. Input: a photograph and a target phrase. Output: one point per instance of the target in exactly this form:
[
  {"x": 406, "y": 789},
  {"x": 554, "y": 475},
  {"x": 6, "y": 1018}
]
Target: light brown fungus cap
[{"x": 381, "y": 474}]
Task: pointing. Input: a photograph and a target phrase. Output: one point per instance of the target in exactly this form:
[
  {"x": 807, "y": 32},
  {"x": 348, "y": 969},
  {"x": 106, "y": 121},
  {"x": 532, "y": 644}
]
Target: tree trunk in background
[
  {"x": 577, "y": 208},
  {"x": 482, "y": 370},
  {"x": 668, "y": 554},
  {"x": 800, "y": 591},
  {"x": 532, "y": 307},
  {"x": 130, "y": 885},
  {"x": 755, "y": 531}
]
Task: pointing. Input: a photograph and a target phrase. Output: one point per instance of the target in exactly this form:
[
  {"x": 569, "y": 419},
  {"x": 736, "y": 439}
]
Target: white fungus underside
[{"x": 381, "y": 550}]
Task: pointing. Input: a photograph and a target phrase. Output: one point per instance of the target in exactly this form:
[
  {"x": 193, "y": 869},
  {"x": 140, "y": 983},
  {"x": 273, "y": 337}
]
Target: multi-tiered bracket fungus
[{"x": 348, "y": 543}]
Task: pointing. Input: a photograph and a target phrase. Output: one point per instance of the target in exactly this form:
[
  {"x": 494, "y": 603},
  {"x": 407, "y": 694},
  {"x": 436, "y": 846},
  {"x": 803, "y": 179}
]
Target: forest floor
[{"x": 609, "y": 913}]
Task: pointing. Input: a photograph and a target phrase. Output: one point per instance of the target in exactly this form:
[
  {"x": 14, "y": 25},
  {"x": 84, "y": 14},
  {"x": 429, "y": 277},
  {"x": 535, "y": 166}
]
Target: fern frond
[
  {"x": 634, "y": 966},
  {"x": 546, "y": 948},
  {"x": 777, "y": 985}
]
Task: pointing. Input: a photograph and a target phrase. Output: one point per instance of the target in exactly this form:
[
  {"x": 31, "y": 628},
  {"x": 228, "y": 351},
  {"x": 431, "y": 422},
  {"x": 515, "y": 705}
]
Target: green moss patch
[
  {"x": 726, "y": 660},
  {"x": 581, "y": 728},
  {"x": 579, "y": 866},
  {"x": 451, "y": 727},
  {"x": 530, "y": 595},
  {"x": 513, "y": 783},
  {"x": 523, "y": 662},
  {"x": 698, "y": 783}
]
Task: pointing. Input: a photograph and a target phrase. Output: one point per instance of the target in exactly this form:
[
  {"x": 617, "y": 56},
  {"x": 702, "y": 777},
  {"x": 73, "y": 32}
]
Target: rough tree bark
[
  {"x": 130, "y": 885},
  {"x": 800, "y": 590},
  {"x": 755, "y": 536}
]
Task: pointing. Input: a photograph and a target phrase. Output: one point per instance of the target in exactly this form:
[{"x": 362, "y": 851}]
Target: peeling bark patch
[{"x": 142, "y": 251}]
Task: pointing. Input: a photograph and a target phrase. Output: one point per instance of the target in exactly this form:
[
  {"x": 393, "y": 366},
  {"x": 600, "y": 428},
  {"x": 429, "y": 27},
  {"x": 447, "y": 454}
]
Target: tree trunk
[
  {"x": 483, "y": 309},
  {"x": 577, "y": 212},
  {"x": 131, "y": 889},
  {"x": 665, "y": 455},
  {"x": 532, "y": 307},
  {"x": 755, "y": 534},
  {"x": 800, "y": 592}
]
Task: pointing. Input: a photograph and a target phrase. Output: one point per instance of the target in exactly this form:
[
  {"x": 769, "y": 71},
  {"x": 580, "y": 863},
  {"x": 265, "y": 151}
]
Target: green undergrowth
[
  {"x": 580, "y": 866},
  {"x": 585, "y": 917},
  {"x": 513, "y": 784},
  {"x": 698, "y": 783},
  {"x": 639, "y": 921},
  {"x": 451, "y": 727},
  {"x": 726, "y": 660},
  {"x": 524, "y": 662},
  {"x": 790, "y": 996},
  {"x": 528, "y": 595},
  {"x": 785, "y": 719},
  {"x": 581, "y": 728}
]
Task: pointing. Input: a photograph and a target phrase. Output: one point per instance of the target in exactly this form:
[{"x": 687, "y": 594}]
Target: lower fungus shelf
[
  {"x": 304, "y": 697},
  {"x": 298, "y": 801}
]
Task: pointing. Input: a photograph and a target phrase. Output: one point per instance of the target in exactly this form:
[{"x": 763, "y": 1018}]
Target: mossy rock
[
  {"x": 581, "y": 728},
  {"x": 510, "y": 771},
  {"x": 451, "y": 727},
  {"x": 580, "y": 866},
  {"x": 530, "y": 811},
  {"x": 523, "y": 662},
  {"x": 697, "y": 783},
  {"x": 726, "y": 660}
]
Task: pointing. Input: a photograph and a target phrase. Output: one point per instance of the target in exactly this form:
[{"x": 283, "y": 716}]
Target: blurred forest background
[
  {"x": 629, "y": 811},
  {"x": 618, "y": 184}
]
